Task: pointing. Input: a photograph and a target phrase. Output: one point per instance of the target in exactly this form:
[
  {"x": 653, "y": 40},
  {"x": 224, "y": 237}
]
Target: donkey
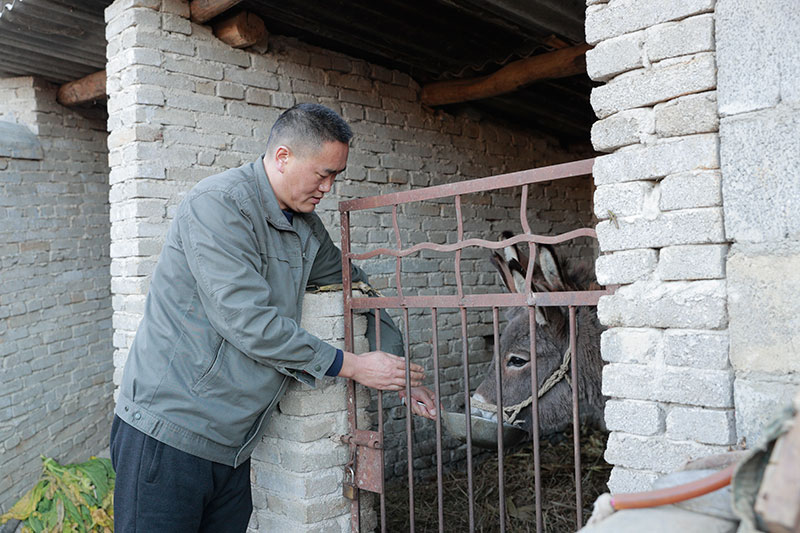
[{"x": 552, "y": 341}]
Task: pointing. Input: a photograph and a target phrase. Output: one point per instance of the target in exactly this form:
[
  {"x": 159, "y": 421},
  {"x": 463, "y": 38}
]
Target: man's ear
[{"x": 282, "y": 155}]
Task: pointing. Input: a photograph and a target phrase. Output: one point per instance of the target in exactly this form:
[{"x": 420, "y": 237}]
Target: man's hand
[
  {"x": 380, "y": 370},
  {"x": 423, "y": 402}
]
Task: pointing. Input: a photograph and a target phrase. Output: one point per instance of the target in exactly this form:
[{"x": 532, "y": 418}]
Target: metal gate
[{"x": 366, "y": 446}]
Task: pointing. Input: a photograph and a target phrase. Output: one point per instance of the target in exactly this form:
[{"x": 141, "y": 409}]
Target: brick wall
[
  {"x": 659, "y": 201},
  {"x": 183, "y": 105},
  {"x": 55, "y": 304},
  {"x": 758, "y": 54}
]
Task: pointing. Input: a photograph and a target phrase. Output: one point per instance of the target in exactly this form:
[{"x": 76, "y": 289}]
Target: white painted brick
[
  {"x": 706, "y": 426},
  {"x": 687, "y": 190},
  {"x": 696, "y": 348},
  {"x": 621, "y": 199},
  {"x": 625, "y": 16},
  {"x": 695, "y": 113},
  {"x": 622, "y": 129},
  {"x": 689, "y": 226},
  {"x": 624, "y": 480},
  {"x": 193, "y": 67},
  {"x": 658, "y": 160},
  {"x": 705, "y": 261},
  {"x": 636, "y": 417},
  {"x": 663, "y": 81},
  {"x": 175, "y": 23},
  {"x": 221, "y": 53},
  {"x": 614, "y": 56},
  {"x": 676, "y": 304},
  {"x": 230, "y": 90},
  {"x": 630, "y": 345},
  {"x": 656, "y": 454},
  {"x": 673, "y": 39},
  {"x": 626, "y": 266},
  {"x": 141, "y": 17},
  {"x": 119, "y": 6}
]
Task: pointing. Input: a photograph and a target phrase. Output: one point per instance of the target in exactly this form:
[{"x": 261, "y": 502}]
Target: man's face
[{"x": 309, "y": 177}]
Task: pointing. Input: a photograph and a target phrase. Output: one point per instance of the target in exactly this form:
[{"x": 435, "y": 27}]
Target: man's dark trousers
[{"x": 162, "y": 489}]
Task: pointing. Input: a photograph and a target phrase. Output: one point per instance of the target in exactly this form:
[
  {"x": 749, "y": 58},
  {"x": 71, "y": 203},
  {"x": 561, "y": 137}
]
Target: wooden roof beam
[
  {"x": 240, "y": 30},
  {"x": 204, "y": 10},
  {"x": 558, "y": 64},
  {"x": 86, "y": 89}
]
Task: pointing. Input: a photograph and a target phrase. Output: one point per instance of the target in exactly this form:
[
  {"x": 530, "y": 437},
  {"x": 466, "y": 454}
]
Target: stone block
[
  {"x": 656, "y": 454},
  {"x": 688, "y": 190},
  {"x": 626, "y": 16},
  {"x": 759, "y": 399},
  {"x": 622, "y": 129},
  {"x": 141, "y": 17},
  {"x": 695, "y": 113},
  {"x": 663, "y": 81},
  {"x": 675, "y": 304},
  {"x": 688, "y": 226},
  {"x": 696, "y": 348},
  {"x": 174, "y": 23},
  {"x": 707, "y": 426},
  {"x": 635, "y": 417},
  {"x": 630, "y": 345},
  {"x": 622, "y": 199},
  {"x": 758, "y": 53},
  {"x": 614, "y": 56},
  {"x": 763, "y": 284},
  {"x": 696, "y": 152},
  {"x": 624, "y": 480},
  {"x": 760, "y": 153},
  {"x": 626, "y": 266},
  {"x": 691, "y": 262},
  {"x": 687, "y": 36},
  {"x": 120, "y": 6}
]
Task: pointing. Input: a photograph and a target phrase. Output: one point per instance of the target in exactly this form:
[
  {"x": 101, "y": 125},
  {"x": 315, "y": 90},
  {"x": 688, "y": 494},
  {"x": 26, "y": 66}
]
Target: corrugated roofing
[{"x": 58, "y": 40}]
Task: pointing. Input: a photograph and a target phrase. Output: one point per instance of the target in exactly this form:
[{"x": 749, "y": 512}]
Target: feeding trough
[{"x": 484, "y": 430}]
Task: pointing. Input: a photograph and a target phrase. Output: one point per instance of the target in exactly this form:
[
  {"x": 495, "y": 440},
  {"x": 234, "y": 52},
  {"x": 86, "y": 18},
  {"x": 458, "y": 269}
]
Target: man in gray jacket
[{"x": 220, "y": 337}]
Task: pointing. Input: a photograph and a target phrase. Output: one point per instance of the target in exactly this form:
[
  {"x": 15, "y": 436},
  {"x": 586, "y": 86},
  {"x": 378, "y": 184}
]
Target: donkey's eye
[{"x": 516, "y": 361}]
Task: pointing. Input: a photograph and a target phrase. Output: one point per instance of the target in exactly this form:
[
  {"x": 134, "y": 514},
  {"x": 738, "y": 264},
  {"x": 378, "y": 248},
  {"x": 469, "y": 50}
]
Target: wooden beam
[
  {"x": 86, "y": 89},
  {"x": 241, "y": 30},
  {"x": 205, "y": 10},
  {"x": 558, "y": 64}
]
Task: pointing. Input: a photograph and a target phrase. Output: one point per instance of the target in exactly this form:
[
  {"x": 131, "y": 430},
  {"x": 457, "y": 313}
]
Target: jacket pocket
[{"x": 211, "y": 370}]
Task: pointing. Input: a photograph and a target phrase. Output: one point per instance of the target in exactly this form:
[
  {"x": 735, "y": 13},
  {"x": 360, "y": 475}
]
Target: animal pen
[{"x": 365, "y": 469}]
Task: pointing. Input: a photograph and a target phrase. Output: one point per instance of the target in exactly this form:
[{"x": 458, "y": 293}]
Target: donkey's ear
[
  {"x": 505, "y": 273},
  {"x": 551, "y": 268}
]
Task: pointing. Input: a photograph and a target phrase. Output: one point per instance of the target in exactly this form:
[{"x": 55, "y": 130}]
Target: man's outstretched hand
[
  {"x": 380, "y": 370},
  {"x": 423, "y": 402}
]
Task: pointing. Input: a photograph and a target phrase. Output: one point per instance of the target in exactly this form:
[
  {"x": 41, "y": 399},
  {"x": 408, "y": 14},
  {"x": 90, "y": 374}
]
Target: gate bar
[
  {"x": 439, "y": 474},
  {"x": 537, "y": 468},
  {"x": 500, "y": 422},
  {"x": 468, "y": 417},
  {"x": 576, "y": 422},
  {"x": 347, "y": 287},
  {"x": 501, "y": 181},
  {"x": 409, "y": 422},
  {"x": 380, "y": 421}
]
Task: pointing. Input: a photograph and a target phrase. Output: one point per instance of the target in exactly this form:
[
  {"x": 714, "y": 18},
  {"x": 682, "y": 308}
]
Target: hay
[{"x": 558, "y": 486}]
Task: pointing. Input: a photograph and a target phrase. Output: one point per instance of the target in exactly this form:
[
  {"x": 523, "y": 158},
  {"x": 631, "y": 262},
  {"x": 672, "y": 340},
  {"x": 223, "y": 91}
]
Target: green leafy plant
[{"x": 76, "y": 497}]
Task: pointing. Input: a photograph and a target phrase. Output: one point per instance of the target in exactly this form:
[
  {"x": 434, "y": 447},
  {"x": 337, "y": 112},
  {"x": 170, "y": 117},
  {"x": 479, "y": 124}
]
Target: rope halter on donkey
[{"x": 511, "y": 412}]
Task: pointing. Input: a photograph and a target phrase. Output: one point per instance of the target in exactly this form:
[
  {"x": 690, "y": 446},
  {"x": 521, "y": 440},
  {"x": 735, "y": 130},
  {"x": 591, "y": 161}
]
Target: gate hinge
[{"x": 368, "y": 460}]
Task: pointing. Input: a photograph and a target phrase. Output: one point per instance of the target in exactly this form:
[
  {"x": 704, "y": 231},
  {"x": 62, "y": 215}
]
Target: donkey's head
[{"x": 552, "y": 341}]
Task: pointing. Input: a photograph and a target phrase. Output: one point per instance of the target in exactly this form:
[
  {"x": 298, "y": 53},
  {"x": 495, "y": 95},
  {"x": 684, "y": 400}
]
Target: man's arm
[{"x": 327, "y": 270}]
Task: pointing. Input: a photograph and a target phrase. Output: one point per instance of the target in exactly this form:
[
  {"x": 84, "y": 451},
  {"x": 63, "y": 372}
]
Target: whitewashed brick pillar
[
  {"x": 661, "y": 233},
  {"x": 297, "y": 469}
]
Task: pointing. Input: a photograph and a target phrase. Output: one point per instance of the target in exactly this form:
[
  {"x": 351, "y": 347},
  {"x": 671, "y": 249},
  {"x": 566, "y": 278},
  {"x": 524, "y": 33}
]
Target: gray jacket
[{"x": 220, "y": 335}]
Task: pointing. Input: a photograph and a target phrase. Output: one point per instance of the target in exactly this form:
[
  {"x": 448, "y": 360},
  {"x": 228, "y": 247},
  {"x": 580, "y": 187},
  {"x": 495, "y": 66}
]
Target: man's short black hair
[{"x": 308, "y": 126}]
